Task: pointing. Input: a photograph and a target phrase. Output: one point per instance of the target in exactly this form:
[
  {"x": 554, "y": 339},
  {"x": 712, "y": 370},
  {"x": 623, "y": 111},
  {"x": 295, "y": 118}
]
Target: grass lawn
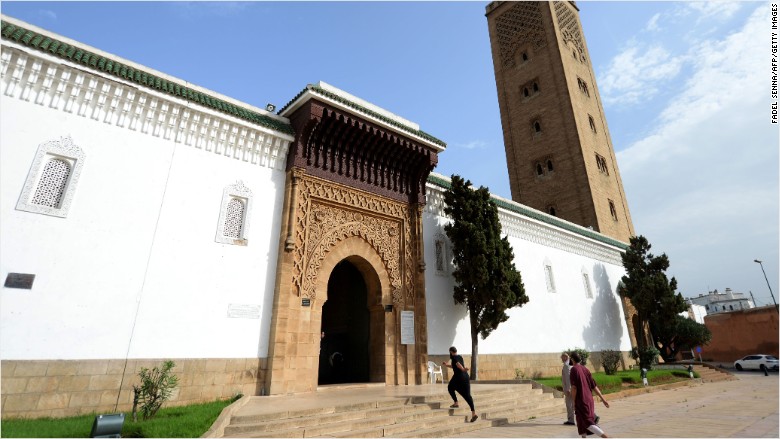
[
  {"x": 625, "y": 379},
  {"x": 185, "y": 421}
]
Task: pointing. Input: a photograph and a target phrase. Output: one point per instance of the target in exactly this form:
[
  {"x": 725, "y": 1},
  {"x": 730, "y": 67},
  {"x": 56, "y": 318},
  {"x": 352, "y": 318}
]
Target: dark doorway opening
[{"x": 345, "y": 342}]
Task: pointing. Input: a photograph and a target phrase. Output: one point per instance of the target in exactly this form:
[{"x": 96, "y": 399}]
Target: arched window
[
  {"x": 525, "y": 91},
  {"x": 612, "y": 210},
  {"x": 51, "y": 182},
  {"x": 525, "y": 56},
  {"x": 536, "y": 87},
  {"x": 551, "y": 210},
  {"x": 539, "y": 170},
  {"x": 234, "y": 214},
  {"x": 592, "y": 123},
  {"x": 549, "y": 165},
  {"x": 537, "y": 127}
]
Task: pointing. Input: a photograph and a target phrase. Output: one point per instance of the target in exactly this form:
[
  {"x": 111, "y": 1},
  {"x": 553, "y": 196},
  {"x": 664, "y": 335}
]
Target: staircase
[
  {"x": 709, "y": 374},
  {"x": 415, "y": 416}
]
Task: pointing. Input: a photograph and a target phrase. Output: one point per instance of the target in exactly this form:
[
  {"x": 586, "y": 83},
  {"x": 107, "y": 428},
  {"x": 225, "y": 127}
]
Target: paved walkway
[{"x": 747, "y": 407}]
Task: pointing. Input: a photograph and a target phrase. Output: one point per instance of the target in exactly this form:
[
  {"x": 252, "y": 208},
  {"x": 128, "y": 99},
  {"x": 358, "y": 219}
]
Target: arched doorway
[{"x": 345, "y": 344}]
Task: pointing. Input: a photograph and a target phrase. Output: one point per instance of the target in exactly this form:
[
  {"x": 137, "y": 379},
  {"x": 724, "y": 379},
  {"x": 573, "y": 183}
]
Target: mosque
[{"x": 144, "y": 218}]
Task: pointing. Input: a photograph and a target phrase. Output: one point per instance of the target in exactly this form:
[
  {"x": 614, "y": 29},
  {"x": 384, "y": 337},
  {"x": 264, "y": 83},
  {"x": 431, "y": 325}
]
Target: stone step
[
  {"x": 252, "y": 423},
  {"x": 394, "y": 419},
  {"x": 399, "y": 417}
]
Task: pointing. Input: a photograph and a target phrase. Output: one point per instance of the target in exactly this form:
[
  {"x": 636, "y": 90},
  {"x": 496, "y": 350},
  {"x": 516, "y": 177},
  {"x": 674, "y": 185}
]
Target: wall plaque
[
  {"x": 22, "y": 281},
  {"x": 240, "y": 311},
  {"x": 407, "y": 327}
]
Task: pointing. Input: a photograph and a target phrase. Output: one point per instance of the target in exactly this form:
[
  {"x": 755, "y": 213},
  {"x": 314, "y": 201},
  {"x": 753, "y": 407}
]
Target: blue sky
[{"x": 685, "y": 86}]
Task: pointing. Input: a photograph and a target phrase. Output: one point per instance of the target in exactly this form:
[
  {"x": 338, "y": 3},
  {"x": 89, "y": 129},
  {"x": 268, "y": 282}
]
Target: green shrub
[
  {"x": 582, "y": 352},
  {"x": 610, "y": 360},
  {"x": 647, "y": 356},
  {"x": 156, "y": 387}
]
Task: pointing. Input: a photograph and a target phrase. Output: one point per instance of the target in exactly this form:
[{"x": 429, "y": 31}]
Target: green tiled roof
[
  {"x": 365, "y": 110},
  {"x": 539, "y": 216},
  {"x": 97, "y": 62}
]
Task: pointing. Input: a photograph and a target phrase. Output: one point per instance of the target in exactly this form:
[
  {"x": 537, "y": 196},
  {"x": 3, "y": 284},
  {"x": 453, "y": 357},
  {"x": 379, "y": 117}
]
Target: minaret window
[
  {"x": 524, "y": 56},
  {"x": 537, "y": 127},
  {"x": 592, "y": 123},
  {"x": 525, "y": 91},
  {"x": 583, "y": 87},
  {"x": 551, "y": 210},
  {"x": 536, "y": 87},
  {"x": 612, "y": 210},
  {"x": 601, "y": 162},
  {"x": 539, "y": 170},
  {"x": 549, "y": 166}
]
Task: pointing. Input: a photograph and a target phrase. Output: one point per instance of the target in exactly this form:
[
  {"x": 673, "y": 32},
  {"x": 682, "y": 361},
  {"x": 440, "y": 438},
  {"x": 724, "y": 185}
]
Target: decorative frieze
[
  {"x": 56, "y": 85},
  {"x": 518, "y": 226}
]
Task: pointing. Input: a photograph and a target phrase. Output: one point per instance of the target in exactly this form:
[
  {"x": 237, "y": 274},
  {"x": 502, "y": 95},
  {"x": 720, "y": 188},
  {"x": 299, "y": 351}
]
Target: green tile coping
[
  {"x": 364, "y": 110},
  {"x": 72, "y": 53},
  {"x": 539, "y": 216}
]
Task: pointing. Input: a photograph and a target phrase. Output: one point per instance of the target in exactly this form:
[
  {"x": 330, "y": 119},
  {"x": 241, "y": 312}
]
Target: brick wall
[
  {"x": 740, "y": 333},
  {"x": 502, "y": 366},
  {"x": 59, "y": 388}
]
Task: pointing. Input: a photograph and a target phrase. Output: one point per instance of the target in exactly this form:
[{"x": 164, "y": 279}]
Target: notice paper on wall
[{"x": 407, "y": 327}]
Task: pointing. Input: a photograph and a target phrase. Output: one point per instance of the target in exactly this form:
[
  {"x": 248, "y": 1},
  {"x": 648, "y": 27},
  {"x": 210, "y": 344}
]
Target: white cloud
[
  {"x": 703, "y": 186},
  {"x": 474, "y": 144},
  {"x": 48, "y": 13},
  {"x": 652, "y": 24},
  {"x": 713, "y": 10},
  {"x": 635, "y": 74}
]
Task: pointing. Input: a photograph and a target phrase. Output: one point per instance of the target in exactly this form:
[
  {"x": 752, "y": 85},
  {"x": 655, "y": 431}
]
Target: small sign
[
  {"x": 698, "y": 349},
  {"x": 407, "y": 327},
  {"x": 306, "y": 302},
  {"x": 22, "y": 281},
  {"x": 240, "y": 311},
  {"x": 388, "y": 308}
]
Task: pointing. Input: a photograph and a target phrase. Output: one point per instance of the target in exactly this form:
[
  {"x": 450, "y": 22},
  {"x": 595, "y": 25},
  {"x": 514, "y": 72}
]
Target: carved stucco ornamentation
[
  {"x": 570, "y": 29},
  {"x": 519, "y": 25},
  {"x": 327, "y": 214}
]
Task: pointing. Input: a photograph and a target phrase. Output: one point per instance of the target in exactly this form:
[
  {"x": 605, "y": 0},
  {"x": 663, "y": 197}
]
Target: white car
[{"x": 759, "y": 362}]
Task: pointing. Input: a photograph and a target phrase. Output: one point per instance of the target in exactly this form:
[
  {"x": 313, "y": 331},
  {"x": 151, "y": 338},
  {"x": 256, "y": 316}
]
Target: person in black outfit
[{"x": 459, "y": 381}]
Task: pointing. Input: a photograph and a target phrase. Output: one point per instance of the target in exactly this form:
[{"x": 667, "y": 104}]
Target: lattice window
[
  {"x": 586, "y": 284},
  {"x": 52, "y": 180},
  {"x": 548, "y": 277},
  {"x": 234, "y": 218},
  {"x": 233, "y": 225},
  {"x": 441, "y": 259},
  {"x": 51, "y": 186}
]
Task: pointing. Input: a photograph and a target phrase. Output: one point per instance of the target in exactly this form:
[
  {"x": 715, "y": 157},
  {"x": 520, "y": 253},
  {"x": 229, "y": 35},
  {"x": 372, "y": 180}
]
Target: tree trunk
[{"x": 474, "y": 346}]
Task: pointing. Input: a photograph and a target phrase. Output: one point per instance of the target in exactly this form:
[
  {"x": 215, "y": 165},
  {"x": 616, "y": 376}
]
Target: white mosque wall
[
  {"x": 133, "y": 269},
  {"x": 550, "y": 321}
]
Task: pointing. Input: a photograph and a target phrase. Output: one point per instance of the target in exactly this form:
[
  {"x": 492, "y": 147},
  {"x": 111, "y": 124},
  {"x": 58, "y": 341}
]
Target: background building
[{"x": 727, "y": 301}]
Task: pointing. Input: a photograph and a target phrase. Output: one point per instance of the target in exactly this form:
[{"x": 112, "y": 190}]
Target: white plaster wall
[
  {"x": 138, "y": 242},
  {"x": 549, "y": 322}
]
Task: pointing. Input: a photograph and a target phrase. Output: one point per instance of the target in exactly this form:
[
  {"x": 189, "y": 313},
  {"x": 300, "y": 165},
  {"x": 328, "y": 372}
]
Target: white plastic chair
[{"x": 433, "y": 370}]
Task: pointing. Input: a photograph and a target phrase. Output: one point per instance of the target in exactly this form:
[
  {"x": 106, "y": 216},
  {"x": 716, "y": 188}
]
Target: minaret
[{"x": 559, "y": 153}]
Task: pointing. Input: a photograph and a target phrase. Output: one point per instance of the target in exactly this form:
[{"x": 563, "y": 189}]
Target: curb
[{"x": 223, "y": 420}]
